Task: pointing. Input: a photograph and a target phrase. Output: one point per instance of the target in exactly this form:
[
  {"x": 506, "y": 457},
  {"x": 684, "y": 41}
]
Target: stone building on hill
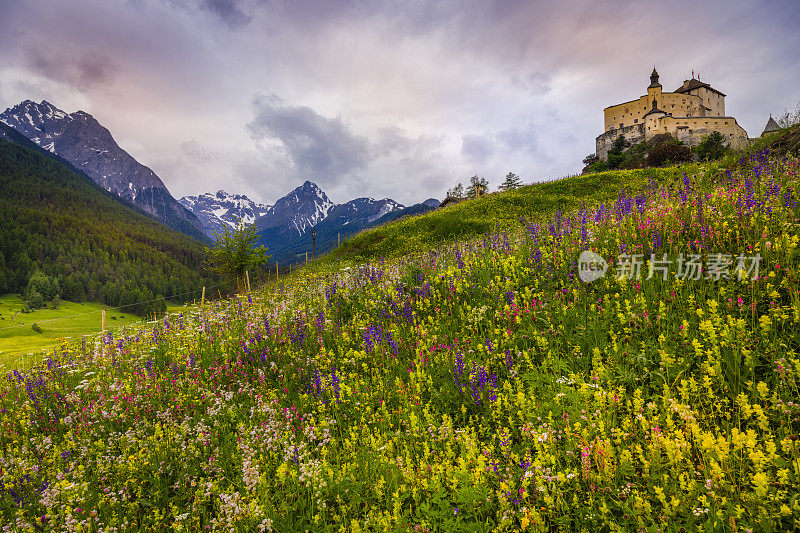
[
  {"x": 692, "y": 111},
  {"x": 771, "y": 127}
]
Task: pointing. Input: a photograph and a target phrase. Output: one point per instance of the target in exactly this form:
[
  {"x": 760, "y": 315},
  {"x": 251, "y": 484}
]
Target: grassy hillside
[
  {"x": 60, "y": 222},
  {"x": 501, "y": 212},
  {"x": 478, "y": 387},
  {"x": 497, "y": 212}
]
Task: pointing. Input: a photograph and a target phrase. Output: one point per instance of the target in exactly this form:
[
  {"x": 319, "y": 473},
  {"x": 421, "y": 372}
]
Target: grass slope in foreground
[{"x": 481, "y": 387}]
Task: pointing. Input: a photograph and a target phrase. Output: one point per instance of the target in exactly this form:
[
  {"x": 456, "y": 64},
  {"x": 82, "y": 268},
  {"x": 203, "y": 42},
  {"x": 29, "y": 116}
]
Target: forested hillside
[{"x": 59, "y": 222}]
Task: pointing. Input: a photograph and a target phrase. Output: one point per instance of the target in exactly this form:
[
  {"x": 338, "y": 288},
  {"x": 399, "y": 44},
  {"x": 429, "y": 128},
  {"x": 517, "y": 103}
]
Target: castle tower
[
  {"x": 654, "y": 89},
  {"x": 654, "y": 78}
]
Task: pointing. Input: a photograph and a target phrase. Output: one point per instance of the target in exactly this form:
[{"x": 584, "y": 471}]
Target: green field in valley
[{"x": 21, "y": 344}]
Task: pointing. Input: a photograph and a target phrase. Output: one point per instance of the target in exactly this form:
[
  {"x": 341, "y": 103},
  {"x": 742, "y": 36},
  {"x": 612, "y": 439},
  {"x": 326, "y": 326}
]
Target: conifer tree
[
  {"x": 512, "y": 182},
  {"x": 477, "y": 187},
  {"x": 456, "y": 192}
]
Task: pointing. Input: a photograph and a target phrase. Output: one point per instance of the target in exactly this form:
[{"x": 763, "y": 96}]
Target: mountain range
[
  {"x": 285, "y": 227},
  {"x": 78, "y": 141},
  {"x": 88, "y": 146},
  {"x": 222, "y": 210},
  {"x": 56, "y": 220}
]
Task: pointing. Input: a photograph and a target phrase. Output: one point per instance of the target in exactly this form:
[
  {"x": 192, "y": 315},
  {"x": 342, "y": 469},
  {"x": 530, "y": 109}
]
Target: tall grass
[{"x": 475, "y": 386}]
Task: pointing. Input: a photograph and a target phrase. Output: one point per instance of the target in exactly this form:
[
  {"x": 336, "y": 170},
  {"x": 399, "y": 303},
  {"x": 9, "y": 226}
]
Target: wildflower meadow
[{"x": 478, "y": 386}]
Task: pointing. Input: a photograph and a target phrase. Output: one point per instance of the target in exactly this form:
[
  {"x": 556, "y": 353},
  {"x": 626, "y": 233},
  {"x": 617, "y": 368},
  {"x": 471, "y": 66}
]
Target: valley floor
[{"x": 21, "y": 345}]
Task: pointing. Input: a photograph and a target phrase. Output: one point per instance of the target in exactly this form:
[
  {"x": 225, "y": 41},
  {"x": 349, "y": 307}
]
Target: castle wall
[
  {"x": 688, "y": 130},
  {"x": 633, "y": 134},
  {"x": 627, "y": 114},
  {"x": 691, "y": 131},
  {"x": 631, "y": 113}
]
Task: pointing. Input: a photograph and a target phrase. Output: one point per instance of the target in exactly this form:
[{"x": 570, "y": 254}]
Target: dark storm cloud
[
  {"x": 382, "y": 97},
  {"x": 81, "y": 69},
  {"x": 228, "y": 10},
  {"x": 318, "y": 146}
]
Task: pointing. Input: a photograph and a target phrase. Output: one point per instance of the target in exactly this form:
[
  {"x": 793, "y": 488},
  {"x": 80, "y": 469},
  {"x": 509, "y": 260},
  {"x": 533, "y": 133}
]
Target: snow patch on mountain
[
  {"x": 219, "y": 210},
  {"x": 83, "y": 142}
]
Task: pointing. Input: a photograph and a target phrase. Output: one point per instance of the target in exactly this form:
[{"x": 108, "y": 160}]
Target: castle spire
[{"x": 654, "y": 78}]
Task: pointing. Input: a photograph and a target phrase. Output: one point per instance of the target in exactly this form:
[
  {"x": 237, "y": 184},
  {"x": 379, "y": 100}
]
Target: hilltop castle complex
[{"x": 690, "y": 113}]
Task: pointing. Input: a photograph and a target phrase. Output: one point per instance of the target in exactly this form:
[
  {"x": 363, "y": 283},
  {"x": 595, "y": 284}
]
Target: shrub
[
  {"x": 668, "y": 152},
  {"x": 712, "y": 147},
  {"x": 41, "y": 289}
]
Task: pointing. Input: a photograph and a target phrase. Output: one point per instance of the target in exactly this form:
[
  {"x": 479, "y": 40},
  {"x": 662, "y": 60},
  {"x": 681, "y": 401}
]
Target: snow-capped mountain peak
[
  {"x": 301, "y": 209},
  {"x": 83, "y": 142},
  {"x": 285, "y": 228},
  {"x": 219, "y": 210}
]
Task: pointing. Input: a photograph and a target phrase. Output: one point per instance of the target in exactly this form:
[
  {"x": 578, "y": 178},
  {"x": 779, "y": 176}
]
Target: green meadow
[{"x": 21, "y": 344}]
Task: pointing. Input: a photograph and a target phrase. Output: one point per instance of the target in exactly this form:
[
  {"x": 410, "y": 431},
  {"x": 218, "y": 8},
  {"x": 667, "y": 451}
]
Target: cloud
[
  {"x": 228, "y": 11},
  {"x": 81, "y": 69},
  {"x": 380, "y": 98},
  {"x": 519, "y": 140},
  {"x": 477, "y": 148},
  {"x": 322, "y": 147},
  {"x": 536, "y": 83}
]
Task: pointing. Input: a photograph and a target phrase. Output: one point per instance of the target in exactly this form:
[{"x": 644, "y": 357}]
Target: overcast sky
[{"x": 397, "y": 99}]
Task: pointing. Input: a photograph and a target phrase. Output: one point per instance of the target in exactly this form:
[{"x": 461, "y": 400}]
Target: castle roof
[
  {"x": 771, "y": 126},
  {"x": 692, "y": 84},
  {"x": 654, "y": 110},
  {"x": 654, "y": 79}
]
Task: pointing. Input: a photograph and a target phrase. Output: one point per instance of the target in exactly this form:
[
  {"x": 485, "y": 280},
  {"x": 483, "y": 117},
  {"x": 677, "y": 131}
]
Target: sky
[{"x": 382, "y": 98}]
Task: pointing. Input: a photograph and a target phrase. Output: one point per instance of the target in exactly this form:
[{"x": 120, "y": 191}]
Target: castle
[{"x": 690, "y": 113}]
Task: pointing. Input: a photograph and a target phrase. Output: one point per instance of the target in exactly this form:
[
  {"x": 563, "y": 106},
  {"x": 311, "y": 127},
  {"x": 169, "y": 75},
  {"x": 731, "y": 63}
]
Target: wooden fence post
[
  {"x": 276, "y": 271},
  {"x": 338, "y": 239},
  {"x": 247, "y": 274},
  {"x": 203, "y": 297},
  {"x": 103, "y": 322},
  {"x": 306, "y": 256}
]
